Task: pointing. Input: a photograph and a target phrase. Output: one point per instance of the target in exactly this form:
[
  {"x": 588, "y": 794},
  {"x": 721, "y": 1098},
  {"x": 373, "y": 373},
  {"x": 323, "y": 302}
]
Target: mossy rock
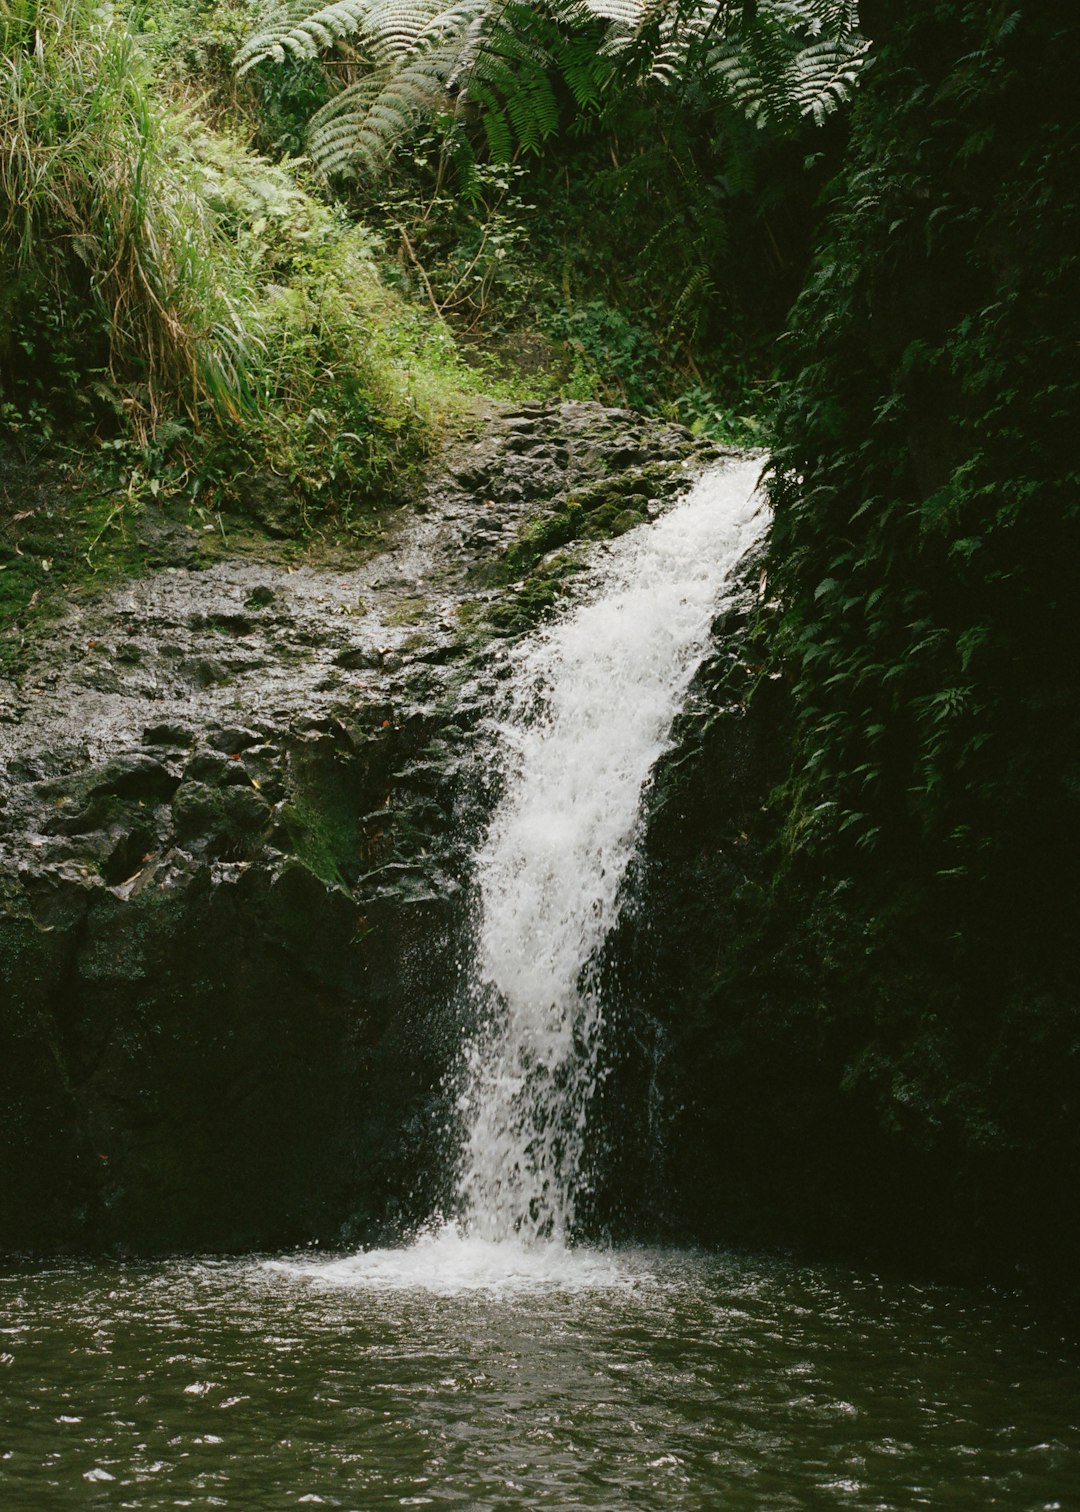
[
  {"x": 597, "y": 512},
  {"x": 522, "y": 608},
  {"x": 229, "y": 822}
]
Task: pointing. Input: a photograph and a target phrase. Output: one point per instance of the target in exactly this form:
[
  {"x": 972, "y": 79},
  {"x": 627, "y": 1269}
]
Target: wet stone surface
[{"x": 233, "y": 847}]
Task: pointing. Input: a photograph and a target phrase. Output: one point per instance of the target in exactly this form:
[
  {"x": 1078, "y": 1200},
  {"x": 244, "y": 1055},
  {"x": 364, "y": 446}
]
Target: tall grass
[
  {"x": 106, "y": 251},
  {"x": 163, "y": 284}
]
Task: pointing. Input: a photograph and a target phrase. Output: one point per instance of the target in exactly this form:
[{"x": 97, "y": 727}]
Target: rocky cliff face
[{"x": 235, "y": 817}]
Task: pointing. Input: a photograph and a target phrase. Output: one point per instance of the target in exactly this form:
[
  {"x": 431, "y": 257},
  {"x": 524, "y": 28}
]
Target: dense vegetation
[
  {"x": 669, "y": 206},
  {"x": 896, "y": 1008},
  {"x": 665, "y": 153},
  {"x": 193, "y": 321},
  {"x": 926, "y": 549},
  {"x": 182, "y": 323}
]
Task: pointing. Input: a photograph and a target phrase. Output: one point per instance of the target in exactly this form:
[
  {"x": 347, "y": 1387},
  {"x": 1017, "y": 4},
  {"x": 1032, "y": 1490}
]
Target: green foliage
[
  {"x": 923, "y": 448},
  {"x": 665, "y": 232},
  {"x": 220, "y": 333},
  {"x": 107, "y": 256},
  {"x": 193, "y": 43},
  {"x": 649, "y": 259},
  {"x": 466, "y": 252},
  {"x": 611, "y": 350},
  {"x": 926, "y": 550},
  {"x": 675, "y": 243},
  {"x": 774, "y": 61}
]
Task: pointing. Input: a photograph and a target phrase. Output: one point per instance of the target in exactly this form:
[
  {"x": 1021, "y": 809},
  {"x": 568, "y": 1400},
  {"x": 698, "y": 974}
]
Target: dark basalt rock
[{"x": 232, "y": 858}]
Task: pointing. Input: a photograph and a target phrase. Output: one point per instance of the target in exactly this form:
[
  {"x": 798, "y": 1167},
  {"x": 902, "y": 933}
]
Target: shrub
[
  {"x": 181, "y": 297},
  {"x": 115, "y": 271}
]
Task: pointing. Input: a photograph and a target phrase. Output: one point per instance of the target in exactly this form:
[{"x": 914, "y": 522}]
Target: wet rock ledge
[{"x": 236, "y": 804}]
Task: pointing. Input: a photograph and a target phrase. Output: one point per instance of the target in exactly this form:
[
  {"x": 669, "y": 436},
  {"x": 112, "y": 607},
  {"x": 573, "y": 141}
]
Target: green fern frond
[
  {"x": 588, "y": 74},
  {"x": 493, "y": 118},
  {"x": 692, "y": 299},
  {"x": 305, "y": 33},
  {"x": 773, "y": 60},
  {"x": 533, "y": 110},
  {"x": 360, "y": 125},
  {"x": 825, "y": 76},
  {"x": 392, "y": 28},
  {"x": 630, "y": 14}
]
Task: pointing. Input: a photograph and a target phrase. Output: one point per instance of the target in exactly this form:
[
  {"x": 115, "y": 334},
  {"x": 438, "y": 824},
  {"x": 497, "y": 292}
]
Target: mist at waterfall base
[{"x": 493, "y": 1363}]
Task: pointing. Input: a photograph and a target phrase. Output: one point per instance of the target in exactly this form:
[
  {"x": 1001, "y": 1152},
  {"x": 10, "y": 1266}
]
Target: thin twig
[{"x": 419, "y": 268}]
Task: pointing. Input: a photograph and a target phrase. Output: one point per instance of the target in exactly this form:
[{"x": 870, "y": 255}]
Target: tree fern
[
  {"x": 774, "y": 60},
  {"x": 793, "y": 58},
  {"x": 390, "y": 28},
  {"x": 359, "y": 126}
]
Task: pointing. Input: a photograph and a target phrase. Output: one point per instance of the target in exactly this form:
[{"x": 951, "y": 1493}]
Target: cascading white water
[
  {"x": 589, "y": 712},
  {"x": 591, "y": 708}
]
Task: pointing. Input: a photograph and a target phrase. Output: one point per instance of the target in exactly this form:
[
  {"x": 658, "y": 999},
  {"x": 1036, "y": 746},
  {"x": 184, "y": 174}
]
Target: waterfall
[{"x": 590, "y": 710}]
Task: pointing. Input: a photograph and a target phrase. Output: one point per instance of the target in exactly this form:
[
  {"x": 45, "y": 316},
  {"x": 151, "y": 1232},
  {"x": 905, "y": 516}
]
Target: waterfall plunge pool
[{"x": 462, "y": 1374}]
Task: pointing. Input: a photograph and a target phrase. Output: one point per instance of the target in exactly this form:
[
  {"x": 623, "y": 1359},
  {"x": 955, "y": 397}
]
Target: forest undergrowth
[{"x": 194, "y": 319}]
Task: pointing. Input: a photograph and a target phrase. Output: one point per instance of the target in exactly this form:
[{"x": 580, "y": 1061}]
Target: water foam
[
  {"x": 449, "y": 1262},
  {"x": 590, "y": 711}
]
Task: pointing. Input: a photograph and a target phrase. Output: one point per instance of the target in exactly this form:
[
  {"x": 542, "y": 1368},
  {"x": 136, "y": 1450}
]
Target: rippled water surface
[{"x": 465, "y": 1377}]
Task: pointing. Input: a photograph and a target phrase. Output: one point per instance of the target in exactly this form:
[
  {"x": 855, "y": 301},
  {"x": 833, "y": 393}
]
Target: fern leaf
[
  {"x": 299, "y": 30},
  {"x": 360, "y": 125},
  {"x": 773, "y": 60},
  {"x": 500, "y": 138}
]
